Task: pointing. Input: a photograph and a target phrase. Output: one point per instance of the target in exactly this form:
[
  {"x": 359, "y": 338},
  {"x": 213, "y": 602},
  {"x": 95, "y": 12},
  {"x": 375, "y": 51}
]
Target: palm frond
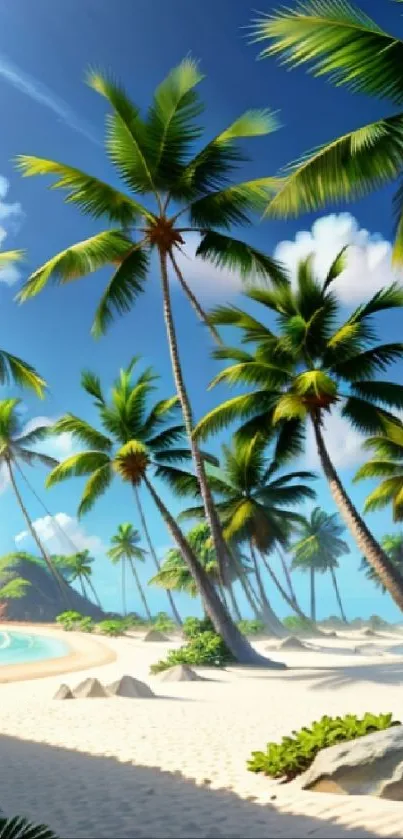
[
  {"x": 92, "y": 384},
  {"x": 83, "y": 463},
  {"x": 234, "y": 204},
  {"x": 388, "y": 492},
  {"x": 379, "y": 469},
  {"x": 367, "y": 364},
  {"x": 14, "y": 369},
  {"x": 82, "y": 431},
  {"x": 364, "y": 416},
  {"x": 240, "y": 407},
  {"x": 96, "y": 485},
  {"x": 9, "y": 257},
  {"x": 123, "y": 289},
  {"x": 389, "y": 394},
  {"x": 234, "y": 255}
]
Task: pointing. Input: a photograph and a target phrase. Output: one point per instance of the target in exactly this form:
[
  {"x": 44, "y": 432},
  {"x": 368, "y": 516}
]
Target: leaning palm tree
[
  {"x": 139, "y": 442},
  {"x": 386, "y": 463},
  {"x": 186, "y": 188},
  {"x": 126, "y": 548},
  {"x": 318, "y": 550},
  {"x": 12, "y": 368},
  {"x": 16, "y": 448},
  {"x": 338, "y": 39},
  {"x": 306, "y": 367},
  {"x": 252, "y": 500},
  {"x": 78, "y": 566},
  {"x": 392, "y": 544}
]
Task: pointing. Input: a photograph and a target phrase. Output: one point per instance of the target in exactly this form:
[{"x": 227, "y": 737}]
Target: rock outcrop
[
  {"x": 90, "y": 689},
  {"x": 155, "y": 635},
  {"x": 180, "y": 673},
  {"x": 130, "y": 688},
  {"x": 63, "y": 692}
]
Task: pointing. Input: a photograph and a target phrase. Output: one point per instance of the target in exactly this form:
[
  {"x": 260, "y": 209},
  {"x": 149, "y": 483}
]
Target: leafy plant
[
  {"x": 297, "y": 624},
  {"x": 20, "y": 828},
  {"x": 112, "y": 627},
  {"x": 296, "y": 753},
  {"x": 69, "y": 620},
  {"x": 206, "y": 649},
  {"x": 195, "y": 626},
  {"x": 251, "y": 627},
  {"x": 163, "y": 623}
]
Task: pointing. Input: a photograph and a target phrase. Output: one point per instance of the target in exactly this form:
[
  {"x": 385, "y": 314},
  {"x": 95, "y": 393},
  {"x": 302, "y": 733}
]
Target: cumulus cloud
[
  {"x": 61, "y": 534},
  {"x": 59, "y": 446},
  {"x": 369, "y": 255},
  {"x": 10, "y": 218},
  {"x": 343, "y": 442},
  {"x": 208, "y": 282}
]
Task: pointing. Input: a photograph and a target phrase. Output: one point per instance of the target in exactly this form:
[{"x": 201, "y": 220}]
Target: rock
[
  {"x": 370, "y": 765},
  {"x": 331, "y": 635},
  {"x": 64, "y": 692},
  {"x": 155, "y": 635},
  {"x": 90, "y": 689},
  {"x": 130, "y": 688},
  {"x": 369, "y": 633},
  {"x": 292, "y": 643},
  {"x": 180, "y": 673}
]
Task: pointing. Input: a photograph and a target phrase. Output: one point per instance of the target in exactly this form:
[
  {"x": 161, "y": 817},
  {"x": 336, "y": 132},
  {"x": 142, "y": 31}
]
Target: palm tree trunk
[
  {"x": 287, "y": 575},
  {"x": 313, "y": 597},
  {"x": 92, "y": 589},
  {"x": 219, "y": 544},
  {"x": 62, "y": 585},
  {"x": 337, "y": 593},
  {"x": 194, "y": 301},
  {"x": 271, "y": 620},
  {"x": 366, "y": 542},
  {"x": 234, "y": 604},
  {"x": 151, "y": 548},
  {"x": 140, "y": 590},
  {"x": 123, "y": 581},
  {"x": 242, "y": 651},
  {"x": 292, "y": 603},
  {"x": 83, "y": 592}
]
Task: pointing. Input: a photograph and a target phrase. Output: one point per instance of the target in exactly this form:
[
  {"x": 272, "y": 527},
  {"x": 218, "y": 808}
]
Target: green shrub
[
  {"x": 251, "y": 627},
  {"x": 195, "y": 626},
  {"x": 20, "y": 828},
  {"x": 112, "y": 627},
  {"x": 205, "y": 649},
  {"x": 297, "y": 624},
  {"x": 375, "y": 622},
  {"x": 75, "y": 621},
  {"x": 296, "y": 753},
  {"x": 162, "y": 622}
]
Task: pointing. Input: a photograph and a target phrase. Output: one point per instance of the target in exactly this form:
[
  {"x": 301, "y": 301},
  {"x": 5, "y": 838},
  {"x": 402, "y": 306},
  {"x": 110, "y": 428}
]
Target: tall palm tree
[
  {"x": 318, "y": 550},
  {"x": 187, "y": 188},
  {"x": 15, "y": 448},
  {"x": 78, "y": 566},
  {"x": 392, "y": 544},
  {"x": 126, "y": 549},
  {"x": 138, "y": 443},
  {"x": 387, "y": 463},
  {"x": 251, "y": 499},
  {"x": 310, "y": 365},
  {"x": 12, "y": 368},
  {"x": 339, "y": 40}
]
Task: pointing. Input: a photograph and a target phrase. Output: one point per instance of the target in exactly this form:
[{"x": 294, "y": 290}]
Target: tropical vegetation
[{"x": 126, "y": 550}]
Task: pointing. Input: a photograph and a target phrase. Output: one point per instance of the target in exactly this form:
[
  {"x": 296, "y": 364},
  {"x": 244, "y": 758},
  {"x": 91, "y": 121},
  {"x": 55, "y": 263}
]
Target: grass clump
[
  {"x": 296, "y": 623},
  {"x": 204, "y": 648},
  {"x": 251, "y": 627},
  {"x": 75, "y": 622},
  {"x": 112, "y": 628},
  {"x": 295, "y": 754}
]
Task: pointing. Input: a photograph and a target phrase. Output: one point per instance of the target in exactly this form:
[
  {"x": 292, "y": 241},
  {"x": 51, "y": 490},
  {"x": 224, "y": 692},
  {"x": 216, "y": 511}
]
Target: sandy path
[{"x": 175, "y": 766}]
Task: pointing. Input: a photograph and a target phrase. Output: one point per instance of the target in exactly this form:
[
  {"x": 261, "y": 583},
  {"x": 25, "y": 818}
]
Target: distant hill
[{"x": 43, "y": 600}]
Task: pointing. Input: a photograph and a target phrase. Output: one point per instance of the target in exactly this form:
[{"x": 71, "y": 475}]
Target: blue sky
[{"x": 48, "y": 111}]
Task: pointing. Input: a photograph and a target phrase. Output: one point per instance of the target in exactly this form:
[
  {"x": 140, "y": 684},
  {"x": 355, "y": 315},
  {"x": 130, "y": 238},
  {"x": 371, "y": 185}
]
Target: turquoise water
[{"x": 17, "y": 648}]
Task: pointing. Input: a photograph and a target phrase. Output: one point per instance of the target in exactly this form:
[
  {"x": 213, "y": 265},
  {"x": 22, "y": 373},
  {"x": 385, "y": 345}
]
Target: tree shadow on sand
[
  {"x": 321, "y": 678},
  {"x": 82, "y": 796}
]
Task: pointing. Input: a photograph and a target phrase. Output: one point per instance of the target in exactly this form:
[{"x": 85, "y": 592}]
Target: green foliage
[
  {"x": 112, "y": 627},
  {"x": 296, "y": 753},
  {"x": 74, "y": 621},
  {"x": 195, "y": 626},
  {"x": 206, "y": 649},
  {"x": 375, "y": 622},
  {"x": 298, "y": 624},
  {"x": 20, "y": 828},
  {"x": 251, "y": 627},
  {"x": 162, "y": 622}
]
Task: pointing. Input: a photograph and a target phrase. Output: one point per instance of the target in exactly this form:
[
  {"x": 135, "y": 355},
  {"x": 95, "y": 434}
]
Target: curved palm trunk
[
  {"x": 291, "y": 603},
  {"x": 220, "y": 546},
  {"x": 313, "y": 594},
  {"x": 94, "y": 594},
  {"x": 366, "y": 542},
  {"x": 151, "y": 548},
  {"x": 270, "y": 618},
  {"x": 337, "y": 593},
  {"x": 123, "y": 582},
  {"x": 63, "y": 586},
  {"x": 234, "y": 603},
  {"x": 194, "y": 301},
  {"x": 140, "y": 590},
  {"x": 83, "y": 592},
  {"x": 242, "y": 651},
  {"x": 287, "y": 575}
]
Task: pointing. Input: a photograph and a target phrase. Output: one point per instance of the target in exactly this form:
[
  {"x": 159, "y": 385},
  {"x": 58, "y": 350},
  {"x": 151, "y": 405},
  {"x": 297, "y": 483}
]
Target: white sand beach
[{"x": 175, "y": 765}]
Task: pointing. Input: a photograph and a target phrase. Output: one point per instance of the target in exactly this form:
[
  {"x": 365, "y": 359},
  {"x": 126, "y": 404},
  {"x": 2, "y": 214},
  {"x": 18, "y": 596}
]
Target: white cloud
[
  {"x": 343, "y": 442},
  {"x": 205, "y": 280},
  {"x": 61, "y": 534},
  {"x": 369, "y": 263},
  {"x": 59, "y": 446},
  {"x": 10, "y": 217},
  {"x": 41, "y": 94}
]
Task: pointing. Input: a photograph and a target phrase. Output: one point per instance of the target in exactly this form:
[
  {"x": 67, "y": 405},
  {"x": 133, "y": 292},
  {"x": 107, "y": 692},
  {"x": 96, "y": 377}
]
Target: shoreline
[{"x": 83, "y": 652}]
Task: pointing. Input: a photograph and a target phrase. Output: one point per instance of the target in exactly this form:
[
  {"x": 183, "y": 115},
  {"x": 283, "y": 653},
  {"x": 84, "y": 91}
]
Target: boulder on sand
[
  {"x": 291, "y": 643},
  {"x": 369, "y": 633},
  {"x": 90, "y": 689},
  {"x": 180, "y": 673},
  {"x": 370, "y": 765},
  {"x": 155, "y": 635},
  {"x": 130, "y": 688},
  {"x": 64, "y": 692}
]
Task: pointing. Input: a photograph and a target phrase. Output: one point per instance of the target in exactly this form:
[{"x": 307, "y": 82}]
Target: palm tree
[
  {"x": 190, "y": 189},
  {"x": 138, "y": 444},
  {"x": 126, "y": 548},
  {"x": 313, "y": 364},
  {"x": 15, "y": 448},
  {"x": 341, "y": 41},
  {"x": 387, "y": 463},
  {"x": 78, "y": 566},
  {"x": 250, "y": 498},
  {"x": 319, "y": 549},
  {"x": 392, "y": 544},
  {"x": 12, "y": 368}
]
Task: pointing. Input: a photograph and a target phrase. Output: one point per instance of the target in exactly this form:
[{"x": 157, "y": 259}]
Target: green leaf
[
  {"x": 389, "y": 491},
  {"x": 82, "y": 431},
  {"x": 289, "y": 407},
  {"x": 14, "y": 369},
  {"x": 91, "y": 383},
  {"x": 83, "y": 463},
  {"x": 378, "y": 469},
  {"x": 122, "y": 290},
  {"x": 77, "y": 261},
  {"x": 9, "y": 257},
  {"x": 368, "y": 363},
  {"x": 240, "y": 407},
  {"x": 365, "y": 417},
  {"x": 234, "y": 204},
  {"x": 337, "y": 267},
  {"x": 234, "y": 255},
  {"x": 96, "y": 485},
  {"x": 389, "y": 394}
]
